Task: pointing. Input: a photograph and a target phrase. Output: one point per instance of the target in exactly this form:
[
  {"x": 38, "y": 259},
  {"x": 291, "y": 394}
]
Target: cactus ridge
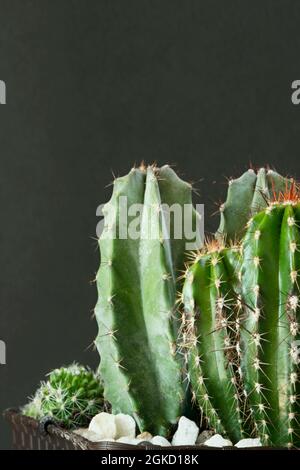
[
  {"x": 136, "y": 312},
  {"x": 248, "y": 195},
  {"x": 211, "y": 338}
]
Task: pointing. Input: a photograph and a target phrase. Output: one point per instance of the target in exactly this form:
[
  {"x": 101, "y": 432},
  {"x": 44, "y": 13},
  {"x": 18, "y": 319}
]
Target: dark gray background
[{"x": 94, "y": 86}]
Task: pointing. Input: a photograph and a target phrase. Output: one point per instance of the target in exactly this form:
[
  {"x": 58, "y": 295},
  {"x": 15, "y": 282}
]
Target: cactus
[
  {"x": 72, "y": 396},
  {"x": 248, "y": 195},
  {"x": 241, "y": 328},
  {"x": 270, "y": 320},
  {"x": 210, "y": 337},
  {"x": 136, "y": 312}
]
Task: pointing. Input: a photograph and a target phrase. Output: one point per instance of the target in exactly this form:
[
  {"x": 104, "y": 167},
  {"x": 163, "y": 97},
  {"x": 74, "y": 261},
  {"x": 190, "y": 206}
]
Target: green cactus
[
  {"x": 210, "y": 337},
  {"x": 72, "y": 396},
  {"x": 136, "y": 311},
  {"x": 270, "y": 320},
  {"x": 241, "y": 328},
  {"x": 248, "y": 195}
]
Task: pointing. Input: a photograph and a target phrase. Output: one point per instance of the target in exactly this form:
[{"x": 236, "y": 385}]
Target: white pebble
[
  {"x": 128, "y": 440},
  {"x": 217, "y": 441},
  {"x": 186, "y": 434},
  {"x": 103, "y": 424},
  {"x": 249, "y": 443},
  {"x": 160, "y": 441},
  {"x": 125, "y": 426},
  {"x": 90, "y": 435},
  {"x": 144, "y": 436}
]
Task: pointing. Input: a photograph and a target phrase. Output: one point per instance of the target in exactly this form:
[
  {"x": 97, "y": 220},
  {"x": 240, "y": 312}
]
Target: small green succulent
[{"x": 72, "y": 396}]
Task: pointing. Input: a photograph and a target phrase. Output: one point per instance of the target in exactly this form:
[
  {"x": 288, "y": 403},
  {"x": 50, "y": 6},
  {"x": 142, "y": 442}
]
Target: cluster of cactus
[
  {"x": 235, "y": 340},
  {"x": 136, "y": 310},
  {"x": 232, "y": 344},
  {"x": 241, "y": 325},
  {"x": 71, "y": 396}
]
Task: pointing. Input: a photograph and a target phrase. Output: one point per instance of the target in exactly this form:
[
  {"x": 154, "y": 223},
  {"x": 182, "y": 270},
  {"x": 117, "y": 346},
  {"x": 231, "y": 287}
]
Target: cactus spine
[
  {"x": 136, "y": 314},
  {"x": 210, "y": 336},
  {"x": 270, "y": 320},
  {"x": 248, "y": 195}
]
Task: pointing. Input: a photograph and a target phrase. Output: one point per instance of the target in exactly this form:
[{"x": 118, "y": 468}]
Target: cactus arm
[
  {"x": 246, "y": 196},
  {"x": 266, "y": 339},
  {"x": 288, "y": 331},
  {"x": 109, "y": 309},
  {"x": 137, "y": 284},
  {"x": 236, "y": 210},
  {"x": 195, "y": 375},
  {"x": 125, "y": 348},
  {"x": 253, "y": 327},
  {"x": 213, "y": 298},
  {"x": 158, "y": 309}
]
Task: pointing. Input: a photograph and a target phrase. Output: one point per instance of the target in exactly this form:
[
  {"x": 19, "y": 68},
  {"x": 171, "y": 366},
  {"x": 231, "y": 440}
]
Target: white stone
[
  {"x": 186, "y": 434},
  {"x": 103, "y": 424},
  {"x": 128, "y": 440},
  {"x": 217, "y": 441},
  {"x": 249, "y": 443},
  {"x": 125, "y": 426},
  {"x": 90, "y": 435},
  {"x": 144, "y": 436},
  {"x": 160, "y": 441}
]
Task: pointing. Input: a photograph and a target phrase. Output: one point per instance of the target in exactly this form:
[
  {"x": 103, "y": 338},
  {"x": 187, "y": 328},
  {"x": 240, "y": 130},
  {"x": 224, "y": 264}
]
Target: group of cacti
[
  {"x": 233, "y": 339},
  {"x": 241, "y": 325},
  {"x": 223, "y": 335}
]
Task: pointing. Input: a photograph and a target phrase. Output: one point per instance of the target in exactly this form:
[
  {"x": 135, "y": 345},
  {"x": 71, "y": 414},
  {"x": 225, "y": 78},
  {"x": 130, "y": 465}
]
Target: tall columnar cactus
[
  {"x": 210, "y": 336},
  {"x": 270, "y": 320},
  {"x": 248, "y": 195},
  {"x": 136, "y": 313}
]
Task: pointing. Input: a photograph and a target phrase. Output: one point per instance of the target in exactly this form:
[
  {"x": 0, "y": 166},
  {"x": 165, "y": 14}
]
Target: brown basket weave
[{"x": 30, "y": 434}]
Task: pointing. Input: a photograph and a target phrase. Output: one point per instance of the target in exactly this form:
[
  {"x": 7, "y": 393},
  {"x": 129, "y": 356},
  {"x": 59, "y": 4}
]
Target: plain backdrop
[{"x": 93, "y": 87}]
